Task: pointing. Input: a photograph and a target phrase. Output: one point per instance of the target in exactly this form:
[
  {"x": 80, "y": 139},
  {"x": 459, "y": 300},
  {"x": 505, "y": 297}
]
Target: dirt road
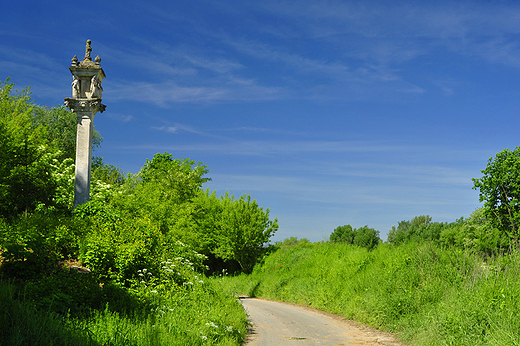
[{"x": 279, "y": 324}]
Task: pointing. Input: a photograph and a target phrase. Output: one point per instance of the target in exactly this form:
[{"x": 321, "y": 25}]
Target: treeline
[
  {"x": 475, "y": 234},
  {"x": 493, "y": 229}
]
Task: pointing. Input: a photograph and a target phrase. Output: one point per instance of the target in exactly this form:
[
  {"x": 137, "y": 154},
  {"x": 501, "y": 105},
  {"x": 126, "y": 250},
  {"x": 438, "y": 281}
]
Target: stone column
[
  {"x": 83, "y": 157},
  {"x": 85, "y": 102}
]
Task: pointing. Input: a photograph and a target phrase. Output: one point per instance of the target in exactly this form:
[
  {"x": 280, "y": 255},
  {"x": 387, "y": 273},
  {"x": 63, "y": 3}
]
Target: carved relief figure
[
  {"x": 75, "y": 88},
  {"x": 95, "y": 88}
]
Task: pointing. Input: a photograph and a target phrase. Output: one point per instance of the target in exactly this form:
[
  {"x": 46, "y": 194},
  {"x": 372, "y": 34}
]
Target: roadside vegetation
[
  {"x": 431, "y": 283},
  {"x": 154, "y": 259},
  {"x": 129, "y": 267}
]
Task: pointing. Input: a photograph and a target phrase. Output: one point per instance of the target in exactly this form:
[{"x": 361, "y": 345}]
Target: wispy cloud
[
  {"x": 120, "y": 117},
  {"x": 262, "y": 148},
  {"x": 162, "y": 94},
  {"x": 177, "y": 128},
  {"x": 169, "y": 129},
  {"x": 394, "y": 32}
]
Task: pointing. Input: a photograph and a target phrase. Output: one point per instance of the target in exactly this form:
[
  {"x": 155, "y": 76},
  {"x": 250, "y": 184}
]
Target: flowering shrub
[{"x": 116, "y": 251}]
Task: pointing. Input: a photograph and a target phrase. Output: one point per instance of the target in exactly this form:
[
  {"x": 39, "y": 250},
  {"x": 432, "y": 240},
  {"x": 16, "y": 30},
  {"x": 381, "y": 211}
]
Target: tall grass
[
  {"x": 198, "y": 313},
  {"x": 142, "y": 289},
  {"x": 424, "y": 294}
]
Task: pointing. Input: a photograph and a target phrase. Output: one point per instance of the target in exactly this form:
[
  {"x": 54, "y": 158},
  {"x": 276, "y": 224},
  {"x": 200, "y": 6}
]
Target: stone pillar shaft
[{"x": 83, "y": 158}]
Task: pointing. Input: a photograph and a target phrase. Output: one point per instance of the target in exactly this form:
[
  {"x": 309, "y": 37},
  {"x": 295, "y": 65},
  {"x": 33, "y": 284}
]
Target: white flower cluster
[
  {"x": 163, "y": 309},
  {"x": 228, "y": 329},
  {"x": 212, "y": 324}
]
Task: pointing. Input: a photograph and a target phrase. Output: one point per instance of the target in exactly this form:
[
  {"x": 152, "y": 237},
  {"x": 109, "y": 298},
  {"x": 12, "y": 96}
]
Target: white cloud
[
  {"x": 169, "y": 129},
  {"x": 262, "y": 148},
  {"x": 163, "y": 93},
  {"x": 124, "y": 118}
]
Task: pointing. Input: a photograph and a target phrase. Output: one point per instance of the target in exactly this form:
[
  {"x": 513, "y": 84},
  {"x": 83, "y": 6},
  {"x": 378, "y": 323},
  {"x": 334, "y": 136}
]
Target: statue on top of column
[{"x": 88, "y": 49}]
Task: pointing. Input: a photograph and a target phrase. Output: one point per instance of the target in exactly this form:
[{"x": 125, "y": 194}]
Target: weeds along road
[{"x": 279, "y": 324}]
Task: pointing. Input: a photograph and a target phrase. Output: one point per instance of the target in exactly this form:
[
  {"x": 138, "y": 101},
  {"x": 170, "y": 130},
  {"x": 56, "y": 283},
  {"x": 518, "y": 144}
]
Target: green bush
[
  {"x": 116, "y": 251},
  {"x": 36, "y": 243},
  {"x": 364, "y": 236}
]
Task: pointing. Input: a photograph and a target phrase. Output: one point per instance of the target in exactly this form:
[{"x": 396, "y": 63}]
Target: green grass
[
  {"x": 424, "y": 294},
  {"x": 142, "y": 289},
  {"x": 196, "y": 313}
]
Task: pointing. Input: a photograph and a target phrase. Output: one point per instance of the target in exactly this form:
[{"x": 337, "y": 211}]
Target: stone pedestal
[{"x": 85, "y": 102}]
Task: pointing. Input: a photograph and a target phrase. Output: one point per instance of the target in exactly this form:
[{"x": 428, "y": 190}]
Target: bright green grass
[
  {"x": 424, "y": 294},
  {"x": 198, "y": 313}
]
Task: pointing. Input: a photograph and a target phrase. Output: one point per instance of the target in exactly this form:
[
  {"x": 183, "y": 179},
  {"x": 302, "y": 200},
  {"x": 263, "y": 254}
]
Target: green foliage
[
  {"x": 475, "y": 234},
  {"x": 163, "y": 190},
  {"x": 115, "y": 251},
  {"x": 108, "y": 174},
  {"x": 232, "y": 230},
  {"x": 25, "y": 178},
  {"x": 499, "y": 189},
  {"x": 60, "y": 126},
  {"x": 38, "y": 150},
  {"x": 343, "y": 234},
  {"x": 364, "y": 236},
  {"x": 427, "y": 294},
  {"x": 33, "y": 245},
  {"x": 158, "y": 312},
  {"x": 243, "y": 229},
  {"x": 179, "y": 179},
  {"x": 420, "y": 228},
  {"x": 130, "y": 297}
]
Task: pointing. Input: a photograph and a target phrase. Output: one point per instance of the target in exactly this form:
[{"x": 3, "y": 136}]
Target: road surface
[{"x": 279, "y": 324}]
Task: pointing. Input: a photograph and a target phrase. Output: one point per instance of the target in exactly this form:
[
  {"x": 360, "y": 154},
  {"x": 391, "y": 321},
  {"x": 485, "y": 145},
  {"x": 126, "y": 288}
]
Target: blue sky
[{"x": 326, "y": 112}]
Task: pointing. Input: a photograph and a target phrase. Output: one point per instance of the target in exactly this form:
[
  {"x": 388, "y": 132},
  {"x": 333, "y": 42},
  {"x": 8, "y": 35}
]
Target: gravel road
[{"x": 279, "y": 324}]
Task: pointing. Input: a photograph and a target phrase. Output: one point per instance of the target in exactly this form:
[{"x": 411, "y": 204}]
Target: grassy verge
[
  {"x": 196, "y": 312},
  {"x": 425, "y": 294},
  {"x": 142, "y": 289}
]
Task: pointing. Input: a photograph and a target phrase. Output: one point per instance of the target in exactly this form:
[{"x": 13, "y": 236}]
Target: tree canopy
[
  {"x": 364, "y": 236},
  {"x": 499, "y": 189}
]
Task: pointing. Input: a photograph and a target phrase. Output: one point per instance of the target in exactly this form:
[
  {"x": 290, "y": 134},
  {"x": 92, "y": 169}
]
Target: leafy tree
[
  {"x": 363, "y": 236},
  {"x": 499, "y": 189},
  {"x": 243, "y": 229},
  {"x": 366, "y": 237},
  {"x": 420, "y": 228},
  {"x": 343, "y": 234},
  {"x": 229, "y": 231},
  {"x": 25, "y": 177},
  {"x": 163, "y": 190},
  {"x": 60, "y": 125},
  {"x": 474, "y": 234},
  {"x": 108, "y": 174}
]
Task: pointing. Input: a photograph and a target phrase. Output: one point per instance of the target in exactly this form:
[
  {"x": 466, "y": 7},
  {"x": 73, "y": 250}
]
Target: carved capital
[{"x": 85, "y": 105}]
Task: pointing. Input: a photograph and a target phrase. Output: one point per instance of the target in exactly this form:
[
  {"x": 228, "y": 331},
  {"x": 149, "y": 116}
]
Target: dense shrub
[
  {"x": 34, "y": 244},
  {"x": 418, "y": 229},
  {"x": 364, "y": 236}
]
